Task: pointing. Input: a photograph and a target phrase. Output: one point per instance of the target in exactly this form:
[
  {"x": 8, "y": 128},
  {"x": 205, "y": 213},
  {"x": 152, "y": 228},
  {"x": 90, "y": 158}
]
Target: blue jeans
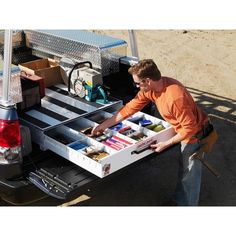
[{"x": 189, "y": 177}]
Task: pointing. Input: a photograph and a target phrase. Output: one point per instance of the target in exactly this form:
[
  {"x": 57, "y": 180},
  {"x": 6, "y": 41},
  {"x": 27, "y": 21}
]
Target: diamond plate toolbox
[
  {"x": 15, "y": 91},
  {"x": 102, "y": 51}
]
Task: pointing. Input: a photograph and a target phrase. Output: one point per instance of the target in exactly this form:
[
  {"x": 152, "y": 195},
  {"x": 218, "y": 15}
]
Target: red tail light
[{"x": 9, "y": 133}]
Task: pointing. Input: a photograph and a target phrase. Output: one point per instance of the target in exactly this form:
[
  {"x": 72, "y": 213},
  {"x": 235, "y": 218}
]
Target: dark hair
[{"x": 146, "y": 68}]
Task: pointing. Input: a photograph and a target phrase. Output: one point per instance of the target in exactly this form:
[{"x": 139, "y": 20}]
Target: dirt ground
[{"x": 204, "y": 61}]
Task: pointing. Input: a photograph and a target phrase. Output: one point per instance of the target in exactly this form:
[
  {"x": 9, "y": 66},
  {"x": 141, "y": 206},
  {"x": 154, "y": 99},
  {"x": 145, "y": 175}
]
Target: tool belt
[{"x": 207, "y": 137}]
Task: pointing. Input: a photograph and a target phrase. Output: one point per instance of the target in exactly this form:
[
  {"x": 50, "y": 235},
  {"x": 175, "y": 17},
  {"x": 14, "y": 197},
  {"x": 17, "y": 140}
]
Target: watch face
[{"x": 79, "y": 88}]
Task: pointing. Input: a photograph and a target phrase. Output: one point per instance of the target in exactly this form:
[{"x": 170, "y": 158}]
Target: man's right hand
[{"x": 98, "y": 130}]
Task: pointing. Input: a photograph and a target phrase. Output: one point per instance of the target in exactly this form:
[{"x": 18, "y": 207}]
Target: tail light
[
  {"x": 9, "y": 133},
  {"x": 10, "y": 138}
]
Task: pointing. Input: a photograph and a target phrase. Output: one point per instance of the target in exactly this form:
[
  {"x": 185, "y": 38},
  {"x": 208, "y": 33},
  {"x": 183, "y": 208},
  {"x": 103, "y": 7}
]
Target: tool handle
[
  {"x": 205, "y": 162},
  {"x": 103, "y": 93},
  {"x": 210, "y": 167}
]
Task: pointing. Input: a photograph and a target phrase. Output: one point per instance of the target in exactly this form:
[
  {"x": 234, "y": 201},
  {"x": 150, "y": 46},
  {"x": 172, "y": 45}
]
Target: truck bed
[{"x": 48, "y": 171}]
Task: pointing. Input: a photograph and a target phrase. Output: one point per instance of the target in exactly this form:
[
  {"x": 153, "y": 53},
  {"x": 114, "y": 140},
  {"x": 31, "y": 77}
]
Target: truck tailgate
[{"x": 58, "y": 177}]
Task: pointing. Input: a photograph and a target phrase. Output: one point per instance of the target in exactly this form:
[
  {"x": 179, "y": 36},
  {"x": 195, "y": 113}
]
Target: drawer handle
[{"x": 143, "y": 150}]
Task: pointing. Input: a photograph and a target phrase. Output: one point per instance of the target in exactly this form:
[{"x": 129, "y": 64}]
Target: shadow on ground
[{"x": 222, "y": 111}]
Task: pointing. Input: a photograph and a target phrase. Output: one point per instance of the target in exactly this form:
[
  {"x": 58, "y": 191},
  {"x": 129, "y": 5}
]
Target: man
[{"x": 177, "y": 107}]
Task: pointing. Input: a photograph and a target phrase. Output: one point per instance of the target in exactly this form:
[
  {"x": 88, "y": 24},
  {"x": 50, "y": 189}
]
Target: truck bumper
[{"x": 12, "y": 170}]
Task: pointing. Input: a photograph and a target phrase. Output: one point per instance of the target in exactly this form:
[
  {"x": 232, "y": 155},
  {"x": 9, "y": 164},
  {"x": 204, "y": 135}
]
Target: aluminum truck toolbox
[
  {"x": 120, "y": 145},
  {"x": 101, "y": 50}
]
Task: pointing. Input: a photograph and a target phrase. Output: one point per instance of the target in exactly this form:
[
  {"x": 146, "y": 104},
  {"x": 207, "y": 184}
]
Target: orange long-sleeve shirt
[{"x": 175, "y": 105}]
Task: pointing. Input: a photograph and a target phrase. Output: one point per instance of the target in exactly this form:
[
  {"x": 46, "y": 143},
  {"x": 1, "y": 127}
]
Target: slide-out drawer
[{"x": 120, "y": 145}]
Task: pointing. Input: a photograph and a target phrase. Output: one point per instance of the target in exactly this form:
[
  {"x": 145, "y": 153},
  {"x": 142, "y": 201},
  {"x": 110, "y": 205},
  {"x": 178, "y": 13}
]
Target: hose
[{"x": 75, "y": 67}]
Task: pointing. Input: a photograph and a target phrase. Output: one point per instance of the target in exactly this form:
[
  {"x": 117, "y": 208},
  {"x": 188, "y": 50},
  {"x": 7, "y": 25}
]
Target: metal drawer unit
[
  {"x": 57, "y": 108},
  {"x": 102, "y": 51},
  {"x": 69, "y": 141}
]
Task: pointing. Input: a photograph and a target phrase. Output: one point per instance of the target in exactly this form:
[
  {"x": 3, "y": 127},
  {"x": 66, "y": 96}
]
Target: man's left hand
[{"x": 159, "y": 147}]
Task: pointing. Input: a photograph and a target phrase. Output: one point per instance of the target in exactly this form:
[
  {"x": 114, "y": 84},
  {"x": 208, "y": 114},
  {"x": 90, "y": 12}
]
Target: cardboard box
[{"x": 46, "y": 68}]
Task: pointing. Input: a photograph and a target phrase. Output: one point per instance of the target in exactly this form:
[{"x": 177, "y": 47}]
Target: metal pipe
[
  {"x": 133, "y": 43},
  {"x": 7, "y": 65}
]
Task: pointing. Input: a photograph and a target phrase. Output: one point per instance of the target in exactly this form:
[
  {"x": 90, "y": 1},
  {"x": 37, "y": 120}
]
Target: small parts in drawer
[
  {"x": 87, "y": 130},
  {"x": 155, "y": 127},
  {"x": 138, "y": 136},
  {"x": 136, "y": 119},
  {"x": 117, "y": 127},
  {"x": 94, "y": 153},
  {"x": 126, "y": 131},
  {"x": 78, "y": 145},
  {"x": 122, "y": 129},
  {"x": 144, "y": 122},
  {"x": 89, "y": 151},
  {"x": 103, "y": 137},
  {"x": 114, "y": 142},
  {"x": 140, "y": 120}
]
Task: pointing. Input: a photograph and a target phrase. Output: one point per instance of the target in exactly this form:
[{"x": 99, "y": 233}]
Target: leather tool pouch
[{"x": 208, "y": 141}]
